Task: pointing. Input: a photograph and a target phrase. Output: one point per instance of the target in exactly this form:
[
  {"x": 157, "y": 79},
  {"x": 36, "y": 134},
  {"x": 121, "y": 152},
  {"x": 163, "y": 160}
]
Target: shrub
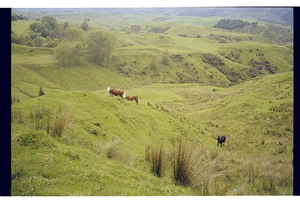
[
  {"x": 68, "y": 53},
  {"x": 212, "y": 59},
  {"x": 135, "y": 28},
  {"x": 177, "y": 57},
  {"x": 159, "y": 29},
  {"x": 100, "y": 45},
  {"x": 153, "y": 65},
  {"x": 84, "y": 26},
  {"x": 231, "y": 24},
  {"x": 165, "y": 58}
]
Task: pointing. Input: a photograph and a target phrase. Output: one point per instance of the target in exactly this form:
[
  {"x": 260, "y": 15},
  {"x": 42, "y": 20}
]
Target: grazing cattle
[
  {"x": 221, "y": 139},
  {"x": 132, "y": 97},
  {"x": 115, "y": 92}
]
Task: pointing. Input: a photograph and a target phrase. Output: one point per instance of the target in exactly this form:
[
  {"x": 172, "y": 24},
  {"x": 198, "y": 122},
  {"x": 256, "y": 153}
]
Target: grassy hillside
[
  {"x": 77, "y": 140},
  {"x": 257, "y": 121}
]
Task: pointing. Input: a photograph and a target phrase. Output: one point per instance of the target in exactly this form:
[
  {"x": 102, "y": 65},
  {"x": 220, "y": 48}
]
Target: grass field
[{"x": 76, "y": 140}]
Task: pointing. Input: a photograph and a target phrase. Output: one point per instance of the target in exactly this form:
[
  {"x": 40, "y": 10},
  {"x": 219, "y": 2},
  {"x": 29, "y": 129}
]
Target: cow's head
[
  {"x": 124, "y": 95},
  {"x": 108, "y": 89}
]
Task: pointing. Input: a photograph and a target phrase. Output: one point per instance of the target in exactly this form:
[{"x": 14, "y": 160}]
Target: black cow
[{"x": 221, "y": 139}]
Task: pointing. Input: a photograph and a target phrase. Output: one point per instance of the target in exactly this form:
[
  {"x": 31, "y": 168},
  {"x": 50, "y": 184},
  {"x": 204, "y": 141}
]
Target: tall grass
[
  {"x": 41, "y": 91},
  {"x": 111, "y": 149},
  {"x": 194, "y": 166},
  {"x": 18, "y": 115},
  {"x": 155, "y": 155},
  {"x": 183, "y": 163},
  {"x": 39, "y": 114},
  {"x": 269, "y": 184},
  {"x": 61, "y": 123}
]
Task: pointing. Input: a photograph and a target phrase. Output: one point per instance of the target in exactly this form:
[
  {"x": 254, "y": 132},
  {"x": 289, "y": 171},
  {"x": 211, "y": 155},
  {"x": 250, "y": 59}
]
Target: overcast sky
[{"x": 140, "y": 3}]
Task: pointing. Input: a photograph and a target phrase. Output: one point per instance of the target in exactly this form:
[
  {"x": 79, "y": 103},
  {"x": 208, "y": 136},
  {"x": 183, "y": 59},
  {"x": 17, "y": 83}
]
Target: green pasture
[
  {"x": 102, "y": 147},
  {"x": 21, "y": 27},
  {"x": 161, "y": 116}
]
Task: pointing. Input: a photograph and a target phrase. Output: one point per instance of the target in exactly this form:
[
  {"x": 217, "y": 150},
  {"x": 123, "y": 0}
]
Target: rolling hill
[{"x": 76, "y": 140}]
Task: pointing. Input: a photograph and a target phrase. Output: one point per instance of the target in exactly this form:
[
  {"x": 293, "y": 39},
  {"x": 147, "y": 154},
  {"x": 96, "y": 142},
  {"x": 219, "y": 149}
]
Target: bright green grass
[
  {"x": 75, "y": 163},
  {"x": 133, "y": 126},
  {"x": 21, "y": 27},
  {"x": 67, "y": 170}
]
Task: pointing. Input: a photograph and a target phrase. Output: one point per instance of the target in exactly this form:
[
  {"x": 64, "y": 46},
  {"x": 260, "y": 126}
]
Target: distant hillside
[
  {"x": 282, "y": 16},
  {"x": 280, "y": 35},
  {"x": 276, "y": 33}
]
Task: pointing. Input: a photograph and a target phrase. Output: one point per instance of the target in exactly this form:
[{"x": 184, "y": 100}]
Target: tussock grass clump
[
  {"x": 183, "y": 163},
  {"x": 122, "y": 117},
  {"x": 18, "y": 115},
  {"x": 251, "y": 171},
  {"x": 155, "y": 155},
  {"x": 111, "y": 149},
  {"x": 41, "y": 91},
  {"x": 61, "y": 123},
  {"x": 269, "y": 184},
  {"x": 17, "y": 170},
  {"x": 195, "y": 166},
  {"x": 39, "y": 115},
  {"x": 14, "y": 99},
  {"x": 147, "y": 152},
  {"x": 35, "y": 140}
]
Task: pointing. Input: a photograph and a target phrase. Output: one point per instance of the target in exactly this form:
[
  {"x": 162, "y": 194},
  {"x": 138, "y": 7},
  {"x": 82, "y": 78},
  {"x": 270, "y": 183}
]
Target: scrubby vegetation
[
  {"x": 232, "y": 24},
  {"x": 212, "y": 59}
]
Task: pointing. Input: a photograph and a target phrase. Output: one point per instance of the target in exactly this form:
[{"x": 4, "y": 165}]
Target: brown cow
[
  {"x": 115, "y": 92},
  {"x": 132, "y": 97}
]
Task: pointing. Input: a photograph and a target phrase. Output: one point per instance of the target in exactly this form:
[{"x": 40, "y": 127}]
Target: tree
[
  {"x": 74, "y": 34},
  {"x": 52, "y": 43},
  {"x": 85, "y": 26},
  {"x": 18, "y": 39},
  {"x": 100, "y": 45},
  {"x": 38, "y": 41},
  {"x": 33, "y": 26},
  {"x": 14, "y": 17},
  {"x": 42, "y": 28},
  {"x": 66, "y": 25},
  {"x": 68, "y": 53},
  {"x": 33, "y": 35},
  {"x": 50, "y": 20}
]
